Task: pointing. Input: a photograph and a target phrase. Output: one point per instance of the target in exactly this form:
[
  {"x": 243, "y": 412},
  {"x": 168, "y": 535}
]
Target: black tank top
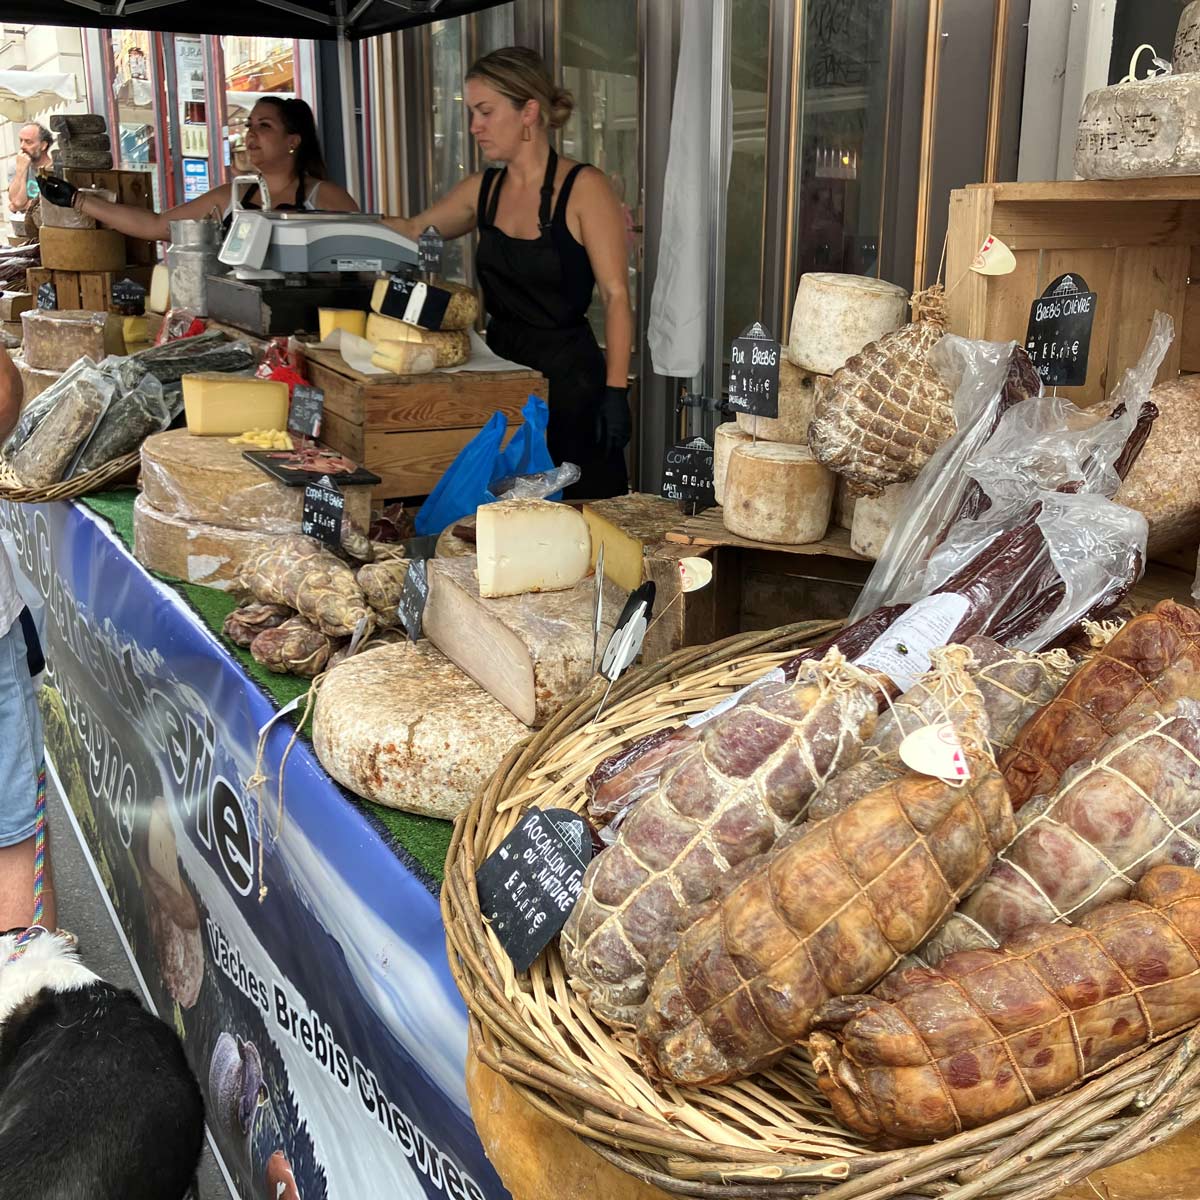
[{"x": 544, "y": 282}]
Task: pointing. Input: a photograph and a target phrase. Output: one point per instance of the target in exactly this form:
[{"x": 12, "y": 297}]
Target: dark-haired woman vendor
[{"x": 550, "y": 232}]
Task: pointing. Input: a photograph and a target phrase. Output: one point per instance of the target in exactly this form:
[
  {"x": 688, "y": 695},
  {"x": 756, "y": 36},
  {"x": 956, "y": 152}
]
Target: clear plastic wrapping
[
  {"x": 44, "y": 457},
  {"x": 55, "y": 339}
]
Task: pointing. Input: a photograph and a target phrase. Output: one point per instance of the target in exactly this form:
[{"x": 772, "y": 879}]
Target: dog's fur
[{"x": 96, "y": 1098}]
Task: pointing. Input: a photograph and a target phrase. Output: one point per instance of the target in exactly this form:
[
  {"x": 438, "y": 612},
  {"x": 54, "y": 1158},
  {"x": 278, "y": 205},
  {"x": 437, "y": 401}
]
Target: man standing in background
[{"x": 35, "y": 143}]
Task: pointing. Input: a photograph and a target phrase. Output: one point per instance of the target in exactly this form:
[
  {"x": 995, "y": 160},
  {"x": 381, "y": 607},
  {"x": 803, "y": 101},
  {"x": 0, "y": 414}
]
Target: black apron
[{"x": 537, "y": 292}]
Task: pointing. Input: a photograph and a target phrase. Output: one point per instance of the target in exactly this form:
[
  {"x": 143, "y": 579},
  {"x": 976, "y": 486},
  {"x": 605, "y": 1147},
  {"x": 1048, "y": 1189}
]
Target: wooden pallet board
[
  {"x": 708, "y": 529},
  {"x": 90, "y": 290}
]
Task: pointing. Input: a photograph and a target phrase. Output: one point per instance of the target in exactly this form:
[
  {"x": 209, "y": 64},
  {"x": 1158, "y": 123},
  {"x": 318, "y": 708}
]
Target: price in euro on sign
[{"x": 1060, "y": 332}]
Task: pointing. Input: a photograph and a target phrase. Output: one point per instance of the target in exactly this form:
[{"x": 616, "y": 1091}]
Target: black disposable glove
[
  {"x": 57, "y": 191},
  {"x": 614, "y": 427}
]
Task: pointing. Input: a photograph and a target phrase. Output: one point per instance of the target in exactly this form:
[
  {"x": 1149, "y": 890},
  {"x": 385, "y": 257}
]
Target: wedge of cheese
[
  {"x": 777, "y": 493},
  {"x": 530, "y": 546},
  {"x": 626, "y": 526},
  {"x": 452, "y": 348},
  {"x": 404, "y": 358},
  {"x": 352, "y": 320},
  {"x": 220, "y": 405}
]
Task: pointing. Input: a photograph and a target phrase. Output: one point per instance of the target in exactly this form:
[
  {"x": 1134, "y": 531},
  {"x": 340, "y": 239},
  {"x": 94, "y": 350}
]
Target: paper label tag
[
  {"x": 529, "y": 885},
  {"x": 694, "y": 574},
  {"x": 935, "y": 750},
  {"x": 902, "y": 653},
  {"x": 709, "y": 714},
  {"x": 358, "y": 264},
  {"x": 416, "y": 303}
]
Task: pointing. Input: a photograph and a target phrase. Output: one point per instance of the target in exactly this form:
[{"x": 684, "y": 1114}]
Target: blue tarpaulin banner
[{"x": 322, "y": 1021}]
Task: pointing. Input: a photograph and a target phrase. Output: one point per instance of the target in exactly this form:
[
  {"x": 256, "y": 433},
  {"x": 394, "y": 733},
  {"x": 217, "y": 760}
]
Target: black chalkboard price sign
[
  {"x": 1060, "y": 332},
  {"x": 47, "y": 296},
  {"x": 414, "y": 595},
  {"x": 754, "y": 373},
  {"x": 688, "y": 473},
  {"x": 128, "y": 298},
  {"x": 307, "y": 410},
  {"x": 324, "y": 507},
  {"x": 430, "y": 247},
  {"x": 529, "y": 885}
]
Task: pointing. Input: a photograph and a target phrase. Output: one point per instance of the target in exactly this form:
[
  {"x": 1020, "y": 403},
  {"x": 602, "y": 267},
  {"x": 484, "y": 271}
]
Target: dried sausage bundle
[
  {"x": 1012, "y": 684},
  {"x": 728, "y": 797},
  {"x": 827, "y": 912},
  {"x": 1152, "y": 661},
  {"x": 990, "y": 1032},
  {"x": 1134, "y": 805}
]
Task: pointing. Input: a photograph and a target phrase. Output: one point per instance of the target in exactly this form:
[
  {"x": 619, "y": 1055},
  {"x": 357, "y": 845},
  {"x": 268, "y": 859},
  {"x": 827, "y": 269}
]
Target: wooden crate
[
  {"x": 1135, "y": 242},
  {"x": 91, "y": 290},
  {"x": 757, "y": 585},
  {"x": 129, "y": 187},
  {"x": 409, "y": 428}
]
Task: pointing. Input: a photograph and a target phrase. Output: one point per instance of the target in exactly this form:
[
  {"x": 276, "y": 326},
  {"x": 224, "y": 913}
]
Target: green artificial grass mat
[{"x": 423, "y": 840}]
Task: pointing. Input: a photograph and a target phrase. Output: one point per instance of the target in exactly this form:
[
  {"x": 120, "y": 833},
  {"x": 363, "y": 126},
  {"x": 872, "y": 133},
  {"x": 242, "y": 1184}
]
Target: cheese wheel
[
  {"x": 452, "y": 348},
  {"x": 845, "y": 501},
  {"x": 777, "y": 493},
  {"x": 798, "y": 390},
  {"x": 874, "y": 518},
  {"x": 461, "y": 313},
  {"x": 55, "y": 339},
  {"x": 449, "y": 545},
  {"x": 726, "y": 439},
  {"x": 404, "y": 727},
  {"x": 404, "y": 358},
  {"x": 191, "y": 551},
  {"x": 159, "y": 299},
  {"x": 1186, "y": 58},
  {"x": 33, "y": 381},
  {"x": 81, "y": 249},
  {"x": 835, "y": 316},
  {"x": 208, "y": 480}
]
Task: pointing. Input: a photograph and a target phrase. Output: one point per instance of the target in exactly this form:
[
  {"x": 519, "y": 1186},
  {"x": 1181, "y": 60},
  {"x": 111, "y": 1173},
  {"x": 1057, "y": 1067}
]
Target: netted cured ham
[
  {"x": 827, "y": 912},
  {"x": 886, "y": 411},
  {"x": 1152, "y": 661},
  {"x": 1134, "y": 805},
  {"x": 990, "y": 1032},
  {"x": 745, "y": 780},
  {"x": 1013, "y": 685}
]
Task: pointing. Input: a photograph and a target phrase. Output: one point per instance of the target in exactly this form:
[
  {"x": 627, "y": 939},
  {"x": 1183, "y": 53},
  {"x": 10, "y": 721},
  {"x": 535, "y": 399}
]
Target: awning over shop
[
  {"x": 23, "y": 93},
  {"x": 288, "y": 18}
]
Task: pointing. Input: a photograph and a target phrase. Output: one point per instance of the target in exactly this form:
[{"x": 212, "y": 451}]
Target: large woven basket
[
  {"x": 772, "y": 1135},
  {"x": 11, "y": 488}
]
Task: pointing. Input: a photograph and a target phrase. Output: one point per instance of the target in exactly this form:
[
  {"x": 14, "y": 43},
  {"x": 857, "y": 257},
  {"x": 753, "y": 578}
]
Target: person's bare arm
[
  {"x": 11, "y": 394},
  {"x": 17, "y": 197},
  {"x": 332, "y": 197},
  {"x": 602, "y": 226},
  {"x": 453, "y": 214},
  {"x": 144, "y": 223}
]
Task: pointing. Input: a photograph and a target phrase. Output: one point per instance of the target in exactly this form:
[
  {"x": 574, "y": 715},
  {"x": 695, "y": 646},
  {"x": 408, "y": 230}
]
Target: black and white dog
[{"x": 96, "y": 1098}]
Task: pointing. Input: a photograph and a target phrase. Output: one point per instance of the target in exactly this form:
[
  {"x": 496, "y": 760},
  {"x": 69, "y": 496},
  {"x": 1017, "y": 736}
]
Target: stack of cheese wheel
[{"x": 787, "y": 497}]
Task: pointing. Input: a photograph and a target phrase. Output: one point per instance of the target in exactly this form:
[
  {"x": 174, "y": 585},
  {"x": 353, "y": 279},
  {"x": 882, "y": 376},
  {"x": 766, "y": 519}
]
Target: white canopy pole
[{"x": 346, "y": 89}]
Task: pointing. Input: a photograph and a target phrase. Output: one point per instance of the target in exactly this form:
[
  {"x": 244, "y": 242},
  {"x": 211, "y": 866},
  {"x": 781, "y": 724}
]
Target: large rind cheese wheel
[
  {"x": 875, "y": 517},
  {"x": 208, "y": 479},
  {"x": 798, "y": 391},
  {"x": 835, "y": 316},
  {"x": 192, "y": 551},
  {"x": 726, "y": 439},
  {"x": 777, "y": 493},
  {"x": 452, "y": 348},
  {"x": 402, "y": 726}
]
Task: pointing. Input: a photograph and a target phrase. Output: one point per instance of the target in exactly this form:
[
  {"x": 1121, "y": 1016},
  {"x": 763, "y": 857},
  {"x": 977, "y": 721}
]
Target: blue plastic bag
[{"x": 465, "y": 484}]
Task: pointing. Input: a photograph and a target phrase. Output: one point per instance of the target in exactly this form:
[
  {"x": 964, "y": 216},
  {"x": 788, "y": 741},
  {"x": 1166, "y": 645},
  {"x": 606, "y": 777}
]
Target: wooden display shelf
[
  {"x": 409, "y": 428},
  {"x": 90, "y": 290},
  {"x": 708, "y": 529},
  {"x": 1135, "y": 242}
]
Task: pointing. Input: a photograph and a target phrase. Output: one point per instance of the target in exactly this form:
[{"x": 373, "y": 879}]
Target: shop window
[
  {"x": 599, "y": 55},
  {"x": 449, "y": 125},
  {"x": 494, "y": 29},
  {"x": 134, "y": 78},
  {"x": 254, "y": 67}
]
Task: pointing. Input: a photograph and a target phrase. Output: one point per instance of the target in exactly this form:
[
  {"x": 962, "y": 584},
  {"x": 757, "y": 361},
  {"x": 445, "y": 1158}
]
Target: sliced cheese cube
[
  {"x": 530, "y": 546},
  {"x": 220, "y": 405},
  {"x": 626, "y": 526},
  {"x": 404, "y": 358},
  {"x": 352, "y": 320},
  {"x": 777, "y": 493}
]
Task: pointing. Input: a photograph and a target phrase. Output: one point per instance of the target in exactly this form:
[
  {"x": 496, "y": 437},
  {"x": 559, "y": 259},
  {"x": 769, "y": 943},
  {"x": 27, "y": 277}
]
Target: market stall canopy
[
  {"x": 287, "y": 18},
  {"x": 23, "y": 93}
]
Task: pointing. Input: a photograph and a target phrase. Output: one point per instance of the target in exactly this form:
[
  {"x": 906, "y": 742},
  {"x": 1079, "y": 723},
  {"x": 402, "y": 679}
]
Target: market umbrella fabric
[
  {"x": 23, "y": 93},
  {"x": 290, "y": 18}
]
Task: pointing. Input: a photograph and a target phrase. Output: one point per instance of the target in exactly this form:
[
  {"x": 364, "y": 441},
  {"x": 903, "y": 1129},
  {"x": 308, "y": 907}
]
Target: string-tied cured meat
[
  {"x": 990, "y": 1032},
  {"x": 729, "y": 796},
  {"x": 828, "y": 912}
]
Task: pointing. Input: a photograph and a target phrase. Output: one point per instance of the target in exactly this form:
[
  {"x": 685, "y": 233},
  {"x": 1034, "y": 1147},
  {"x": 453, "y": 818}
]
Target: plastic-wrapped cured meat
[
  {"x": 1134, "y": 805},
  {"x": 990, "y": 1032},
  {"x": 1012, "y": 685},
  {"x": 1152, "y": 661},
  {"x": 736, "y": 790},
  {"x": 824, "y": 914}
]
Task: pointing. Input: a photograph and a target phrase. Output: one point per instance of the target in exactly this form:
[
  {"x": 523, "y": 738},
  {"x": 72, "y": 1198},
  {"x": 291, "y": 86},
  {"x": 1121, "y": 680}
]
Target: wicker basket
[
  {"x": 11, "y": 488},
  {"x": 773, "y": 1134}
]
